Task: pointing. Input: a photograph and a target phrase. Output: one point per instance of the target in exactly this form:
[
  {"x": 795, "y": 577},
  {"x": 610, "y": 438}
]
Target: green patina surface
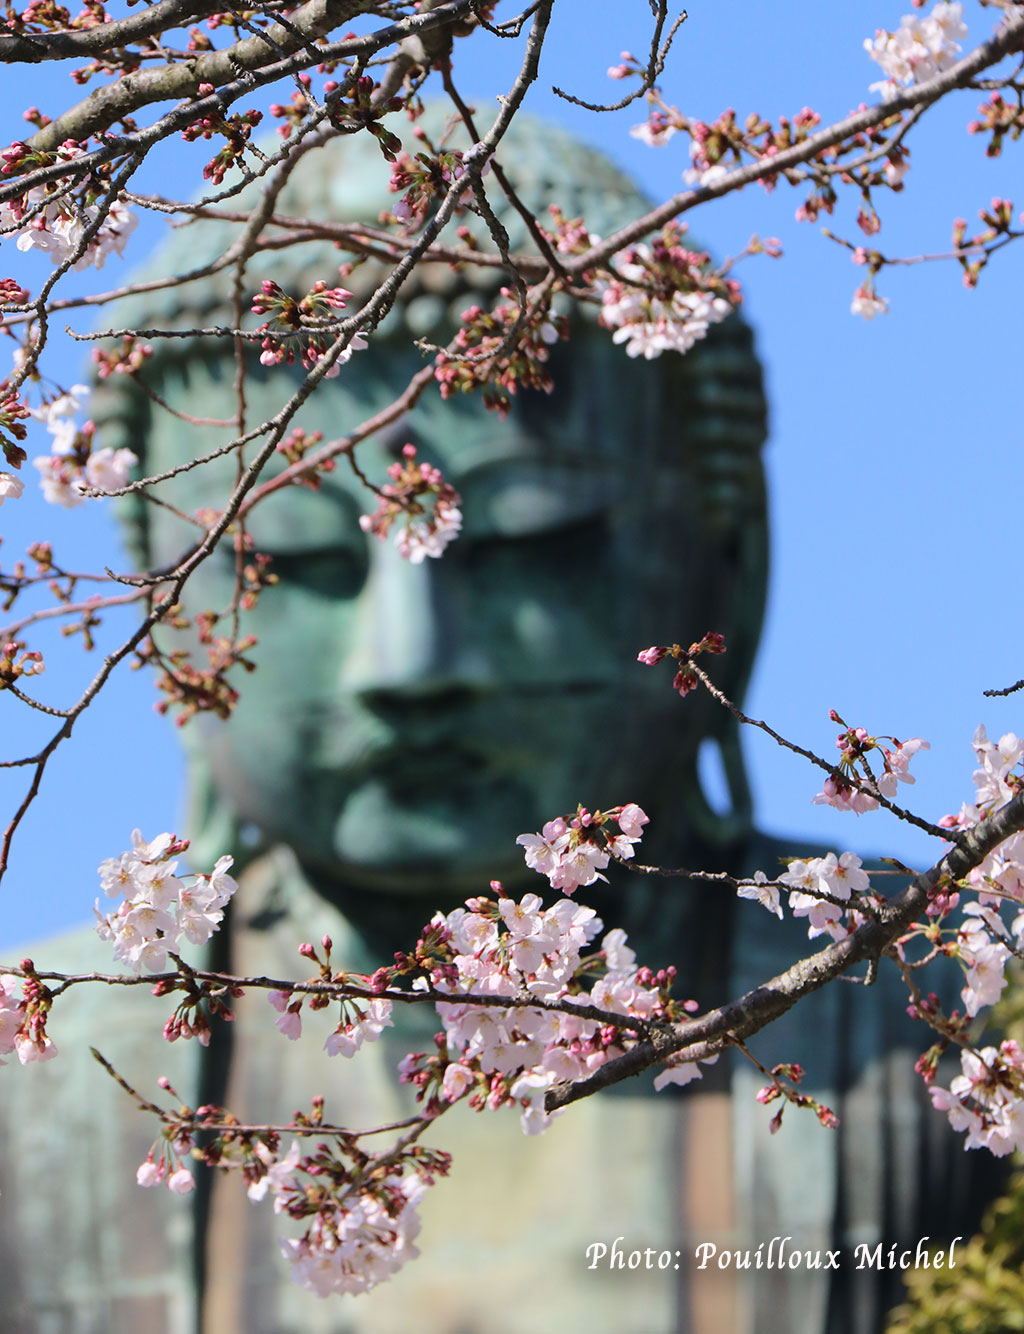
[{"x": 405, "y": 724}]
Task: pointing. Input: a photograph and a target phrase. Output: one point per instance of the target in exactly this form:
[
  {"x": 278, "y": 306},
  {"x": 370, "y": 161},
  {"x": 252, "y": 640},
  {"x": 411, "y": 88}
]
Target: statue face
[{"x": 406, "y": 722}]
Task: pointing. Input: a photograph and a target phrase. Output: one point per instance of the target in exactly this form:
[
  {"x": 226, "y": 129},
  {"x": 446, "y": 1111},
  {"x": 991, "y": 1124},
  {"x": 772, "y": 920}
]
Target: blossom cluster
[
  {"x": 155, "y": 1172},
  {"x": 987, "y": 1098},
  {"x": 64, "y": 480},
  {"x": 75, "y": 466},
  {"x": 984, "y": 944},
  {"x": 130, "y": 357},
  {"x": 58, "y": 416},
  {"x": 361, "y": 1221},
  {"x": 23, "y": 1010},
  {"x": 1000, "y": 119},
  {"x": 867, "y": 303},
  {"x": 838, "y": 878},
  {"x": 12, "y": 667},
  {"x": 360, "y": 1211},
  {"x": 686, "y": 678},
  {"x": 49, "y": 219},
  {"x": 159, "y": 909},
  {"x": 359, "y": 1022},
  {"x": 574, "y": 850},
  {"x": 421, "y": 179},
  {"x": 313, "y": 317},
  {"x": 511, "y": 1056},
  {"x": 486, "y": 355},
  {"x": 236, "y": 129},
  {"x": 13, "y": 412},
  {"x": 418, "y": 494},
  {"x": 663, "y": 297},
  {"x": 855, "y": 745},
  {"x": 365, "y": 1238},
  {"x": 919, "y": 49}
]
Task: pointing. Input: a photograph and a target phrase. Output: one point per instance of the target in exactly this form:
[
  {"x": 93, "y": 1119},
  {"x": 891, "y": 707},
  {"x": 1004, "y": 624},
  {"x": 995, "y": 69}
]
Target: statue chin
[{"x": 414, "y": 835}]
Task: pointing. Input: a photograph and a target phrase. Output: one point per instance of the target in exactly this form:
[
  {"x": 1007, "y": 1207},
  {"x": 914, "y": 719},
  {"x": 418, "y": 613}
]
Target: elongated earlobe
[{"x": 727, "y": 827}]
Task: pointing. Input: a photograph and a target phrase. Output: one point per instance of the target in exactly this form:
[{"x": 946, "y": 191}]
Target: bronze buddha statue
[{"x": 405, "y": 724}]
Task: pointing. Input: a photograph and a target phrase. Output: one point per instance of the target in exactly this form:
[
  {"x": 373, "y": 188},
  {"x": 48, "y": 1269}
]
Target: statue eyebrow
[
  {"x": 268, "y": 527},
  {"x": 487, "y": 458},
  {"x": 491, "y": 457}
]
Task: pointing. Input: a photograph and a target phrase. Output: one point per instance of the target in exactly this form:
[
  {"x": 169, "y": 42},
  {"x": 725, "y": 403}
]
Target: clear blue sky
[{"x": 894, "y": 457}]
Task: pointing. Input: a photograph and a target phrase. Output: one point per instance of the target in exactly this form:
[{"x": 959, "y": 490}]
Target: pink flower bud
[{"x": 181, "y": 1181}]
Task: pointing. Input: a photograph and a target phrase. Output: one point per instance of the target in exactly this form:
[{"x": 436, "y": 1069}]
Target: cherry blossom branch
[
  {"x": 253, "y": 55},
  {"x": 341, "y": 989},
  {"x": 372, "y": 312},
  {"x": 1006, "y": 690},
  {"x": 69, "y": 44},
  {"x": 655, "y": 64},
  {"x": 239, "y": 1128},
  {"x": 870, "y": 789},
  {"x": 856, "y": 901},
  {"x": 740, "y": 1019},
  {"x": 1007, "y": 39},
  {"x": 141, "y": 141},
  {"x": 97, "y": 603}
]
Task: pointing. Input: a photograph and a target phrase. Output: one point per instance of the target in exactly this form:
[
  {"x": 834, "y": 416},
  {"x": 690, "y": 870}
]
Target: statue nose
[{"x": 409, "y": 636}]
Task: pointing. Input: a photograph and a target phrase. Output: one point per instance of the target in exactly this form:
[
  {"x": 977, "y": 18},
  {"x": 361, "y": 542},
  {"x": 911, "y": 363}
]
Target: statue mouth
[
  {"x": 415, "y": 772},
  {"x": 446, "y": 819},
  {"x": 398, "y": 762},
  {"x": 397, "y": 739}
]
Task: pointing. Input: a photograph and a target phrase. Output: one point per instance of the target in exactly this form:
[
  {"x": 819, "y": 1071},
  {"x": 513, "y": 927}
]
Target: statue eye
[
  {"x": 329, "y": 572},
  {"x": 578, "y": 538}
]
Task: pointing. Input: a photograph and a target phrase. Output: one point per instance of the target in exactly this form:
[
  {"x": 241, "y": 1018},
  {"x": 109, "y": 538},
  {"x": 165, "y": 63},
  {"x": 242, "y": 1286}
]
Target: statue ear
[
  {"x": 721, "y": 829},
  {"x": 739, "y": 614}
]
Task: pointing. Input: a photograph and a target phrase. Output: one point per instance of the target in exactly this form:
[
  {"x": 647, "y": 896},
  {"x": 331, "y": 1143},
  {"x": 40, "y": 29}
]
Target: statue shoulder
[{"x": 71, "y": 1142}]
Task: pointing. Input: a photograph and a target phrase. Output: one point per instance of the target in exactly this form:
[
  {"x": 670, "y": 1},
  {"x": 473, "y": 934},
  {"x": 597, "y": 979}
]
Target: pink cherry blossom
[
  {"x": 363, "y": 1026},
  {"x": 985, "y": 1100},
  {"x": 919, "y": 49},
  {"x": 761, "y": 891},
  {"x": 543, "y": 851},
  {"x": 290, "y": 1023},
  {"x": 149, "y": 1174},
  {"x": 631, "y": 821},
  {"x": 457, "y": 1079},
  {"x": 365, "y": 1239},
  {"x": 278, "y": 1177},
  {"x": 867, "y": 304},
  {"x": 159, "y": 910},
  {"x": 683, "y": 1072},
  {"x": 181, "y": 1181},
  {"x": 34, "y": 1049}
]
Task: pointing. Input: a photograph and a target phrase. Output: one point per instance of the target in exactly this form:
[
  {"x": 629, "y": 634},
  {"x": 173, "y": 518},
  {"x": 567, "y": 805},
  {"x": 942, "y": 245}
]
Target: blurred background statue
[{"x": 405, "y": 724}]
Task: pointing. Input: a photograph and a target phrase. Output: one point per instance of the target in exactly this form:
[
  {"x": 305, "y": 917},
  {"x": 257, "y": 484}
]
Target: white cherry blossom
[
  {"x": 11, "y": 487},
  {"x": 919, "y": 49}
]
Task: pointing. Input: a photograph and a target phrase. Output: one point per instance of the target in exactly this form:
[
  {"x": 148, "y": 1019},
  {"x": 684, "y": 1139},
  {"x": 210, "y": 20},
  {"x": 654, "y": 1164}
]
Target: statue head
[{"x": 406, "y": 721}]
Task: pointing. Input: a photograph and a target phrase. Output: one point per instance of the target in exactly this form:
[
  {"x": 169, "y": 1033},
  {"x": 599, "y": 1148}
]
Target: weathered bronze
[{"x": 405, "y": 724}]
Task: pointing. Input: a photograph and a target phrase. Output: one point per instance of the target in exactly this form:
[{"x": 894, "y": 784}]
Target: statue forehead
[
  {"x": 346, "y": 181},
  {"x": 616, "y": 433}
]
